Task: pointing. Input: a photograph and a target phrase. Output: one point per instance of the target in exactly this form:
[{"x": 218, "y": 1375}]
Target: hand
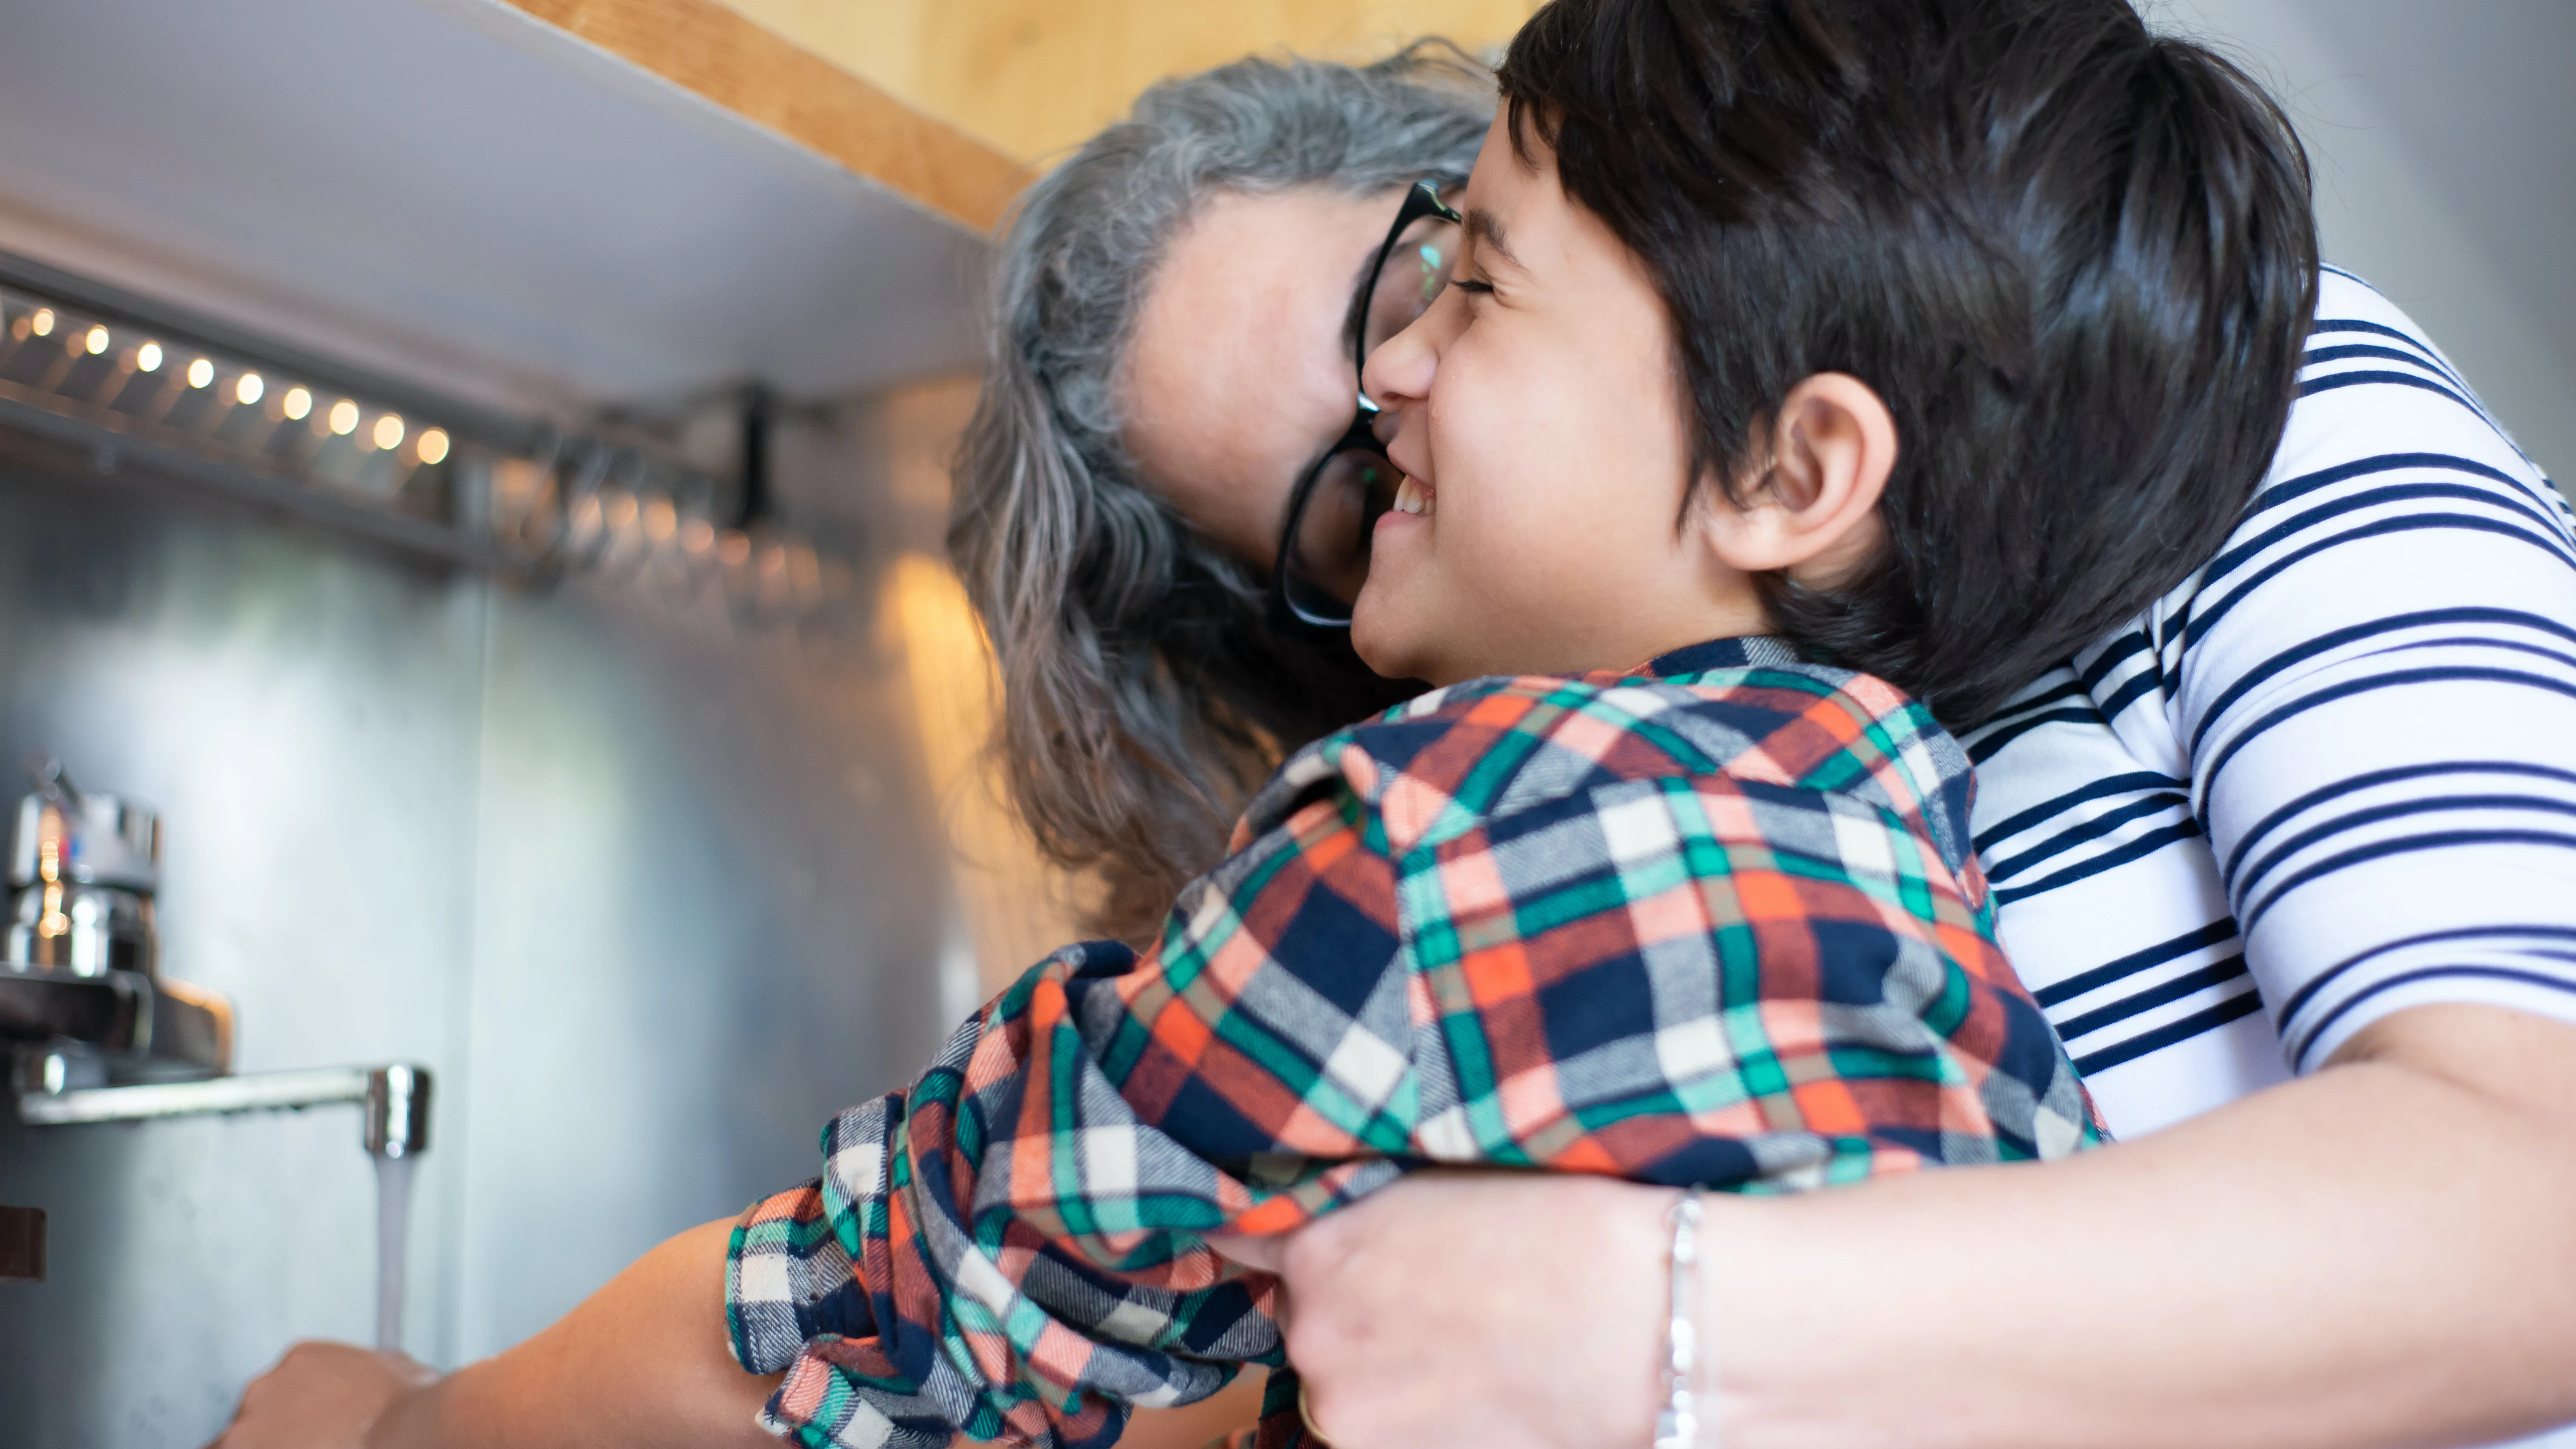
[
  {"x": 1483, "y": 1311},
  {"x": 322, "y": 1396}
]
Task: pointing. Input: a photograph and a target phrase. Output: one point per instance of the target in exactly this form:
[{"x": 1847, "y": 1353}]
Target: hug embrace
[{"x": 1966, "y": 694}]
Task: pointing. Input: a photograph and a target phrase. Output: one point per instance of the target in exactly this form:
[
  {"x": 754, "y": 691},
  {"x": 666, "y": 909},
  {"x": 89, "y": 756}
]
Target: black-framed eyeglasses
[{"x": 1333, "y": 510}]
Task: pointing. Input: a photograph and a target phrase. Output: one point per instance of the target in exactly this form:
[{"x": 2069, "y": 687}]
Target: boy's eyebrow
[{"x": 1484, "y": 229}]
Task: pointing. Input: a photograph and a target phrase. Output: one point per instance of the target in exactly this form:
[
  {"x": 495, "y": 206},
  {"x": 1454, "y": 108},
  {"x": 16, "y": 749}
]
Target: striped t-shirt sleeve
[{"x": 2374, "y": 684}]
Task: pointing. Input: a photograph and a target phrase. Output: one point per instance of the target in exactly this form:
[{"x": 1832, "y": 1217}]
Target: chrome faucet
[{"x": 102, "y": 1036}]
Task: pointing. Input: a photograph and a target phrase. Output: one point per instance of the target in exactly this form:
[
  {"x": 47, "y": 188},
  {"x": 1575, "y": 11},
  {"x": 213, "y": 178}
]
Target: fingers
[
  {"x": 320, "y": 1396},
  {"x": 1479, "y": 1312},
  {"x": 1262, "y": 1253}
]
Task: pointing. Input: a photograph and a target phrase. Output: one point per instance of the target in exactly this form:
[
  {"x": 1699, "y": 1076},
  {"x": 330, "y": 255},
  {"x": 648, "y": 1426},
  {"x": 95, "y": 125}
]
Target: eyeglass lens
[
  {"x": 1415, "y": 270},
  {"x": 1328, "y": 558}
]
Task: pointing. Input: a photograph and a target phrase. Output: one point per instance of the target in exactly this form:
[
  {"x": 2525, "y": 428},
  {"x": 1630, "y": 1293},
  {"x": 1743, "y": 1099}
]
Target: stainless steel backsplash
[{"x": 652, "y": 890}]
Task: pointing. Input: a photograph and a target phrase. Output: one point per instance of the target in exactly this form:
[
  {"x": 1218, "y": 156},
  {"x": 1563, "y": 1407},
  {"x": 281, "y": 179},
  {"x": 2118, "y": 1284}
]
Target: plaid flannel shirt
[{"x": 1718, "y": 922}]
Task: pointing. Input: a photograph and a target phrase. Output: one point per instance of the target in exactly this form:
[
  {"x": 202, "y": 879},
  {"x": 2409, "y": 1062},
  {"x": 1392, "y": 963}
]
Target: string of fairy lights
[
  {"x": 563, "y": 504},
  {"x": 161, "y": 389}
]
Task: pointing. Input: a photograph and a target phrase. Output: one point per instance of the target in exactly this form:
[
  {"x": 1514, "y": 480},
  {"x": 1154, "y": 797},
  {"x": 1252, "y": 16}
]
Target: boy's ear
[{"x": 1813, "y": 511}]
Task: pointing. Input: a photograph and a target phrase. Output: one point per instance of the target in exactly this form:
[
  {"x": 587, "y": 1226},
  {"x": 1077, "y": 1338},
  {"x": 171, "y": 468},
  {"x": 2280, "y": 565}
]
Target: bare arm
[
  {"x": 2383, "y": 1254},
  {"x": 641, "y": 1363}
]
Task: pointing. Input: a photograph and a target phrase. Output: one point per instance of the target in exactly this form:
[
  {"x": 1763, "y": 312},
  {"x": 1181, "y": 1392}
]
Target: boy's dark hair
[{"x": 2077, "y": 260}]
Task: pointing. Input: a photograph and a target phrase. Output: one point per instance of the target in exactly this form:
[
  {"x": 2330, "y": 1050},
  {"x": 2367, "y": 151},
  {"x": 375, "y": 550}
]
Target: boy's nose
[{"x": 1401, "y": 369}]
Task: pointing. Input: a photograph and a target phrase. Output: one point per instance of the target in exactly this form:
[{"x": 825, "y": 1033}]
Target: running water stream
[{"x": 393, "y": 1240}]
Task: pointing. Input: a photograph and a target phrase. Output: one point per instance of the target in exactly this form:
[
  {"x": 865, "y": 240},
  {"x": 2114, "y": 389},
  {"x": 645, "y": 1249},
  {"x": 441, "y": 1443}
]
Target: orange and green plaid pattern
[{"x": 1717, "y": 922}]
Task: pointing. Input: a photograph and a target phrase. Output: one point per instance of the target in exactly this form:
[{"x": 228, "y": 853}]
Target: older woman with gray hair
[
  {"x": 1203, "y": 254},
  {"x": 2288, "y": 862}
]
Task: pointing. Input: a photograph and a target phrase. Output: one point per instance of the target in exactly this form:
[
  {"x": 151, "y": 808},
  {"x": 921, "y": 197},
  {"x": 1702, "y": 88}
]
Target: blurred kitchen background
[{"x": 476, "y": 468}]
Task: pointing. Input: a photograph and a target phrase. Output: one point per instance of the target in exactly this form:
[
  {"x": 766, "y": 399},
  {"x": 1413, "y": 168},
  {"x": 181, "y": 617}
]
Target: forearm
[
  {"x": 639, "y": 1364},
  {"x": 643, "y": 1363},
  {"x": 2378, "y": 1256},
  {"x": 2381, "y": 1254}
]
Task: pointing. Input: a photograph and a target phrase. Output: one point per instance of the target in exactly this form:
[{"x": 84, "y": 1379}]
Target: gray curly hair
[{"x": 1143, "y": 695}]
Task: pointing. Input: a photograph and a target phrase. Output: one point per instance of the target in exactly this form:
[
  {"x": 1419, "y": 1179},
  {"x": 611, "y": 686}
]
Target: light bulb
[
  {"x": 200, "y": 372},
  {"x": 297, "y": 403},
  {"x": 42, "y": 324},
  {"x": 249, "y": 388},
  {"x": 389, "y": 432},
  {"x": 433, "y": 445},
  {"x": 147, "y": 358},
  {"x": 344, "y": 417},
  {"x": 96, "y": 341}
]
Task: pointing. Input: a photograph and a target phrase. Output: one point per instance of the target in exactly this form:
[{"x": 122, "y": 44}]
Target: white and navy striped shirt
[{"x": 2331, "y": 776}]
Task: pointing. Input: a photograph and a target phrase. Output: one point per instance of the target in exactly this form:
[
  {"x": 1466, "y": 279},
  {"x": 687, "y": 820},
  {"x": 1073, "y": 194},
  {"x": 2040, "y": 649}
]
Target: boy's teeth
[{"x": 1412, "y": 497}]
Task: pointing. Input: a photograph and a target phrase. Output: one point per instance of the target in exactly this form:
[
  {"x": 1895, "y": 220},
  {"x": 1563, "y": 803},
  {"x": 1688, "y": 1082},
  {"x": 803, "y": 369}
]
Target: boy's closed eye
[{"x": 1484, "y": 251}]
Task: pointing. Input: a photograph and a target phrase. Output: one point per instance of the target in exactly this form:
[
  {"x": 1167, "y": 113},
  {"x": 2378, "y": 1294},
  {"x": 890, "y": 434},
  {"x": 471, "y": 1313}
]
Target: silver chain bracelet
[{"x": 1677, "y": 1427}]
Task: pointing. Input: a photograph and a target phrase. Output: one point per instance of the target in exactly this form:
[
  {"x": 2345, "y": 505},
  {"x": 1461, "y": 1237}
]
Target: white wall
[{"x": 2445, "y": 141}]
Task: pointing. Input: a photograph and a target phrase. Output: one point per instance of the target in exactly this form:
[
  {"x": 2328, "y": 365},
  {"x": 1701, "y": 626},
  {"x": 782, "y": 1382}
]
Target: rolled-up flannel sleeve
[{"x": 1013, "y": 1248}]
